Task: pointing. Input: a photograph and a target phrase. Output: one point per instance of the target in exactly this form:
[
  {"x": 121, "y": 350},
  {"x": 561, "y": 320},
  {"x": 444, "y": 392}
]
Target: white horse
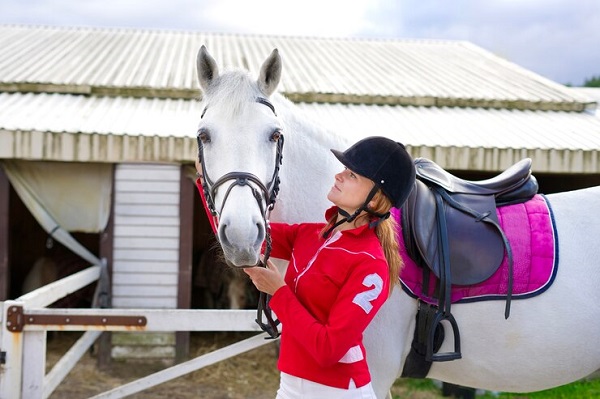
[{"x": 548, "y": 340}]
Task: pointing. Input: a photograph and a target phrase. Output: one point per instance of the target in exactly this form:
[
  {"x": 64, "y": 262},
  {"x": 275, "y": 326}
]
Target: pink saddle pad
[{"x": 530, "y": 229}]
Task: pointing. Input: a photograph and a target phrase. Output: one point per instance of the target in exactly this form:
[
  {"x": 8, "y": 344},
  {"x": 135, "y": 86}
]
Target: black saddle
[
  {"x": 450, "y": 228},
  {"x": 474, "y": 238}
]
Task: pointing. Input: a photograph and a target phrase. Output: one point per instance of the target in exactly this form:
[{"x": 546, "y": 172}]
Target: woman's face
[{"x": 349, "y": 190}]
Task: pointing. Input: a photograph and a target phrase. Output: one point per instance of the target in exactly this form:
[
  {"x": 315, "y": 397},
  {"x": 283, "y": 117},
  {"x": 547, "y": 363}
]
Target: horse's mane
[{"x": 233, "y": 91}]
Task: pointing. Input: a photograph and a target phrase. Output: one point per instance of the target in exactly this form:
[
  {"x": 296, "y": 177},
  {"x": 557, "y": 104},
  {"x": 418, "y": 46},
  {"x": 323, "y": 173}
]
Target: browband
[{"x": 260, "y": 100}]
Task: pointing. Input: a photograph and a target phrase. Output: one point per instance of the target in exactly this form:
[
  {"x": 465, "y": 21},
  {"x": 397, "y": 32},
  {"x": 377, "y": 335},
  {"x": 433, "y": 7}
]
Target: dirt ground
[{"x": 251, "y": 375}]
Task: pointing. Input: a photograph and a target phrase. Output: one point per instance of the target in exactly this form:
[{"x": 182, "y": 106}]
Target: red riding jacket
[{"x": 334, "y": 289}]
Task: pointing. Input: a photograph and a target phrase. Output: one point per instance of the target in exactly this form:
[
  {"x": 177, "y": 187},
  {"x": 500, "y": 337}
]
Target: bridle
[{"x": 265, "y": 196}]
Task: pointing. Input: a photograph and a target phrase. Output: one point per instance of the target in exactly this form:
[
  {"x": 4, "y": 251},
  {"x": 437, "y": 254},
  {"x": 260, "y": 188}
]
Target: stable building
[{"x": 97, "y": 137}]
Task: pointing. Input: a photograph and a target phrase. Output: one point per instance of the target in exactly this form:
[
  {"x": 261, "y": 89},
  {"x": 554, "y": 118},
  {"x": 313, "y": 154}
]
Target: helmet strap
[
  {"x": 380, "y": 218},
  {"x": 347, "y": 218}
]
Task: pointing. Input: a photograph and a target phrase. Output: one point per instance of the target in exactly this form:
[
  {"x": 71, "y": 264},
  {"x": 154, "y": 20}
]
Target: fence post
[
  {"x": 34, "y": 364},
  {"x": 11, "y": 345}
]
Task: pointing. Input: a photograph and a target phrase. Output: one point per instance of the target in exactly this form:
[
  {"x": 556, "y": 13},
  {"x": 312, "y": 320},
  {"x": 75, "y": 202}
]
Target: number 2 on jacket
[{"x": 364, "y": 298}]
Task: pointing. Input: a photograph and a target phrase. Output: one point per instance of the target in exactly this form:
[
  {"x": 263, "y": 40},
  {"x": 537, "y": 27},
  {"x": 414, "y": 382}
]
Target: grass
[
  {"x": 427, "y": 389},
  {"x": 409, "y": 388},
  {"x": 584, "y": 389}
]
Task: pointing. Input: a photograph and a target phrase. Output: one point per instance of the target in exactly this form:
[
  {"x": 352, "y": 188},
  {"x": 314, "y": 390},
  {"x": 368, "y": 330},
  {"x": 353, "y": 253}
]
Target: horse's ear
[
  {"x": 270, "y": 73},
  {"x": 207, "y": 68}
]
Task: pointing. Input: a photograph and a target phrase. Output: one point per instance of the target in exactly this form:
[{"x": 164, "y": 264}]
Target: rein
[{"x": 265, "y": 197}]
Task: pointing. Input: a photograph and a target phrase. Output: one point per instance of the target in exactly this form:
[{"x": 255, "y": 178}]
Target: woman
[{"x": 339, "y": 274}]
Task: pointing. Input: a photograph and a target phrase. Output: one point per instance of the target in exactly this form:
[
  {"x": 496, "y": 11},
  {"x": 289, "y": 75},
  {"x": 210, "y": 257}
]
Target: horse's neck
[{"x": 308, "y": 167}]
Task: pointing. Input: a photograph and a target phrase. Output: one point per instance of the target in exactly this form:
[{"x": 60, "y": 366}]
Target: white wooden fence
[{"x": 26, "y": 320}]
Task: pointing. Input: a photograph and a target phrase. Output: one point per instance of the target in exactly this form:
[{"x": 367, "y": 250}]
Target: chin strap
[
  {"x": 380, "y": 218},
  {"x": 348, "y": 218}
]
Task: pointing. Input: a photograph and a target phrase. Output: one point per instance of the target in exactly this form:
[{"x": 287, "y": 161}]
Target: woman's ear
[{"x": 371, "y": 204}]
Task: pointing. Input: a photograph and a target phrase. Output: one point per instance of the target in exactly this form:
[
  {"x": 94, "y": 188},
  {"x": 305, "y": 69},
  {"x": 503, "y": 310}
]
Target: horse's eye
[
  {"x": 275, "y": 136},
  {"x": 204, "y": 136}
]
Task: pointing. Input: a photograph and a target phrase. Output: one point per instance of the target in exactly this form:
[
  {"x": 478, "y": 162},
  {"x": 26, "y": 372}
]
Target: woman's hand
[{"x": 266, "y": 279}]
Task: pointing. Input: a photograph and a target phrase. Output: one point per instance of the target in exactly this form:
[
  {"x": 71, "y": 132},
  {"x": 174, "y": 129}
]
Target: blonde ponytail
[{"x": 386, "y": 232}]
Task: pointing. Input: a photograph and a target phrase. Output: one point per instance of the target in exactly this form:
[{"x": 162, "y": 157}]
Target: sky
[{"x": 558, "y": 39}]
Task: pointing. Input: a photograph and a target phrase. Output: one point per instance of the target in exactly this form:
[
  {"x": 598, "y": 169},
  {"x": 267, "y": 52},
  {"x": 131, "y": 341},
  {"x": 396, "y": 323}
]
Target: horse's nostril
[
  {"x": 223, "y": 235},
  {"x": 260, "y": 236}
]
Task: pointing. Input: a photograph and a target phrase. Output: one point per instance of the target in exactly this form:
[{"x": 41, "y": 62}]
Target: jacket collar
[{"x": 329, "y": 213}]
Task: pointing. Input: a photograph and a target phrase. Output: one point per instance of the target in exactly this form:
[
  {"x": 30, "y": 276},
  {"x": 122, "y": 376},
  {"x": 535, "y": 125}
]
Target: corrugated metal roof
[
  {"x": 103, "y": 129},
  {"x": 103, "y": 115},
  {"x": 144, "y": 63},
  {"x": 590, "y": 92}
]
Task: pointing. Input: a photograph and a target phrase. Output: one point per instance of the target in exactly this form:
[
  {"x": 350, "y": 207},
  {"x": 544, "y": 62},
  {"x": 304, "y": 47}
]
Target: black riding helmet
[
  {"x": 384, "y": 161},
  {"x": 387, "y": 164}
]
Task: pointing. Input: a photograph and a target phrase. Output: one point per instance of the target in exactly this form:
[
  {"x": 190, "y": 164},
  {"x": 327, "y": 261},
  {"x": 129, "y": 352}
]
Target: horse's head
[{"x": 239, "y": 148}]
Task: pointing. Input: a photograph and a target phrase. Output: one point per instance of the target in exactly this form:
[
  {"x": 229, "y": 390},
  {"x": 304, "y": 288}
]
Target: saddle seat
[{"x": 504, "y": 186}]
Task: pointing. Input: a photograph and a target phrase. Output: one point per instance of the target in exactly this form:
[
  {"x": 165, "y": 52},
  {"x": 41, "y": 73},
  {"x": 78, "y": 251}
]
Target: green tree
[{"x": 594, "y": 81}]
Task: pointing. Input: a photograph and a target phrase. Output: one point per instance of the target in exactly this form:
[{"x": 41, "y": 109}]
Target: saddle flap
[{"x": 476, "y": 248}]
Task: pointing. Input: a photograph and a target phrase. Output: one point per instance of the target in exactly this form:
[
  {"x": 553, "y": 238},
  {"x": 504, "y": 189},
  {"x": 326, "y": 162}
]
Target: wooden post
[
  {"x": 11, "y": 343},
  {"x": 34, "y": 364},
  {"x": 104, "y": 345},
  {"x": 184, "y": 283},
  {"x": 4, "y": 235}
]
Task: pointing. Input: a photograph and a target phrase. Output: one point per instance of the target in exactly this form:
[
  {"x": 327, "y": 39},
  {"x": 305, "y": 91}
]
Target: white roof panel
[
  {"x": 163, "y": 130},
  {"x": 139, "y": 63}
]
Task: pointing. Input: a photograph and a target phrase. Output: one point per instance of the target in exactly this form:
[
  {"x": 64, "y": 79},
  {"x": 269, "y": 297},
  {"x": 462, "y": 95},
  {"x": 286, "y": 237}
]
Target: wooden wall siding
[{"x": 146, "y": 236}]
